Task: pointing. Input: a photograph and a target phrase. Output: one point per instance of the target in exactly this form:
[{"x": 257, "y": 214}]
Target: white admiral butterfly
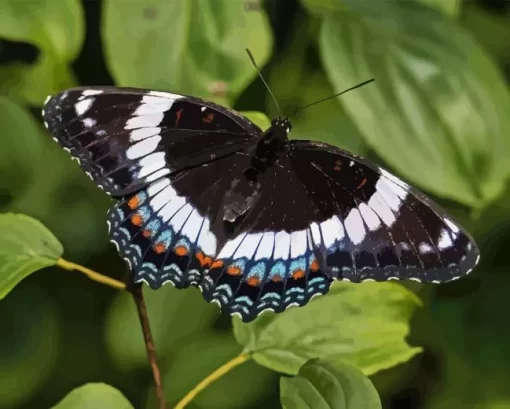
[{"x": 256, "y": 221}]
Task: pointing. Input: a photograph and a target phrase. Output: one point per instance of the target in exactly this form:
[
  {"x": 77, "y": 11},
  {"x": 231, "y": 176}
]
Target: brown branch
[{"x": 136, "y": 292}]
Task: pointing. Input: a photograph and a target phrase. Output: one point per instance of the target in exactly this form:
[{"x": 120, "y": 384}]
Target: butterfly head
[{"x": 281, "y": 123}]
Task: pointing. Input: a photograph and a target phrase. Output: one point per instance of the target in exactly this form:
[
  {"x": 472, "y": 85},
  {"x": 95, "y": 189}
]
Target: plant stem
[
  {"x": 68, "y": 265},
  {"x": 218, "y": 373},
  {"x": 136, "y": 291}
]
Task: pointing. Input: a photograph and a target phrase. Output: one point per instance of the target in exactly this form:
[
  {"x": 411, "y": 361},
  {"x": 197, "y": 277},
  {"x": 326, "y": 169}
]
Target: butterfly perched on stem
[{"x": 255, "y": 220}]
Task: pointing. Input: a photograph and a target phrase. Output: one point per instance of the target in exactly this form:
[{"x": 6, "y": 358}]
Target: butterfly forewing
[
  {"x": 127, "y": 138},
  {"x": 384, "y": 229}
]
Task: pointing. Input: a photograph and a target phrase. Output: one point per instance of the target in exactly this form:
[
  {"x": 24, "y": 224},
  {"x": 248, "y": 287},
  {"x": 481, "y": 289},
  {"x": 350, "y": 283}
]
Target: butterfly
[{"x": 205, "y": 198}]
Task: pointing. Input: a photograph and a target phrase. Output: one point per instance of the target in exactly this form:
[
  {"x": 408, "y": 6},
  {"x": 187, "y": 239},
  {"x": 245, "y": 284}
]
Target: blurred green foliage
[
  {"x": 438, "y": 115},
  {"x": 322, "y": 386}
]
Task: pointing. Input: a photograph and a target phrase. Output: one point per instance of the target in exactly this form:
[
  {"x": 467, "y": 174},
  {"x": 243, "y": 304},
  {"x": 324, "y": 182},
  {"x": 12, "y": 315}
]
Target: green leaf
[
  {"x": 471, "y": 333},
  {"x": 326, "y": 123},
  {"x": 57, "y": 29},
  {"x": 258, "y": 118},
  {"x": 25, "y": 246},
  {"x": 438, "y": 110},
  {"x": 94, "y": 395},
  {"x": 487, "y": 26},
  {"x": 200, "y": 358},
  {"x": 39, "y": 179},
  {"x": 323, "y": 6},
  {"x": 195, "y": 47},
  {"x": 322, "y": 386},
  {"x": 170, "y": 327},
  {"x": 449, "y": 8},
  {"x": 30, "y": 343},
  {"x": 364, "y": 324}
]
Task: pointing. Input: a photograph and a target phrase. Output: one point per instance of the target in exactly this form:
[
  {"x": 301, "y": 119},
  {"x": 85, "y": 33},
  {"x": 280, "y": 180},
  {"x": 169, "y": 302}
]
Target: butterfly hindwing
[
  {"x": 269, "y": 262},
  {"x": 162, "y": 236},
  {"x": 126, "y": 138}
]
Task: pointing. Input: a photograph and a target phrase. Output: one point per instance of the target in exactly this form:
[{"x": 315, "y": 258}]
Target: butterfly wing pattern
[{"x": 201, "y": 201}]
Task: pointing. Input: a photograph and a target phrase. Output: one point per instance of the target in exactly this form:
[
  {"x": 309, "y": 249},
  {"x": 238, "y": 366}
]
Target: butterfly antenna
[
  {"x": 264, "y": 81},
  {"x": 334, "y": 96}
]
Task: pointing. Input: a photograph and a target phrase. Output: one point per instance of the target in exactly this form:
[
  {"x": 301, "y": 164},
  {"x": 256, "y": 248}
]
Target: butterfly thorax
[
  {"x": 272, "y": 144},
  {"x": 245, "y": 190}
]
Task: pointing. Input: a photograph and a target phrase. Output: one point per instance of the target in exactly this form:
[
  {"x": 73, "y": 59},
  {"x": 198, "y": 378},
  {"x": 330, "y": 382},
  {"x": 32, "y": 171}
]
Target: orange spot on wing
[
  {"x": 297, "y": 274},
  {"x": 208, "y": 118},
  {"x": 203, "y": 259},
  {"x": 178, "y": 117},
  {"x": 133, "y": 202},
  {"x": 146, "y": 233},
  {"x": 181, "y": 251},
  {"x": 253, "y": 281},
  {"x": 217, "y": 264},
  {"x": 362, "y": 183},
  {"x": 338, "y": 165},
  {"x": 233, "y": 271},
  {"x": 136, "y": 219},
  {"x": 276, "y": 278},
  {"x": 314, "y": 266},
  {"x": 159, "y": 248}
]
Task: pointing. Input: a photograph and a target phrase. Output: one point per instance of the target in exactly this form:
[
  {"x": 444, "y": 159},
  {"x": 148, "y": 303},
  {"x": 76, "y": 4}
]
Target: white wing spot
[
  {"x": 249, "y": 245},
  {"x": 379, "y": 206},
  {"x": 332, "y": 230},
  {"x": 157, "y": 187},
  {"x": 143, "y": 147},
  {"x": 207, "y": 240},
  {"x": 156, "y": 175},
  {"x": 152, "y": 104},
  {"x": 369, "y": 216},
  {"x": 354, "y": 226},
  {"x": 394, "y": 179},
  {"x": 451, "y": 225},
  {"x": 151, "y": 163},
  {"x": 388, "y": 194},
  {"x": 171, "y": 208},
  {"x": 83, "y": 106},
  {"x": 192, "y": 226},
  {"x": 230, "y": 246},
  {"x": 88, "y": 122},
  {"x": 90, "y": 92},
  {"x": 142, "y": 133},
  {"x": 266, "y": 246},
  {"x": 425, "y": 248},
  {"x": 282, "y": 245},
  {"x": 316, "y": 233},
  {"x": 145, "y": 121},
  {"x": 444, "y": 240},
  {"x": 297, "y": 243}
]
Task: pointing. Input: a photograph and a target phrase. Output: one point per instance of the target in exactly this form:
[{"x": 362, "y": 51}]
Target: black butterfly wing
[
  {"x": 191, "y": 212},
  {"x": 324, "y": 214},
  {"x": 167, "y": 231},
  {"x": 126, "y": 138},
  {"x": 383, "y": 228}
]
